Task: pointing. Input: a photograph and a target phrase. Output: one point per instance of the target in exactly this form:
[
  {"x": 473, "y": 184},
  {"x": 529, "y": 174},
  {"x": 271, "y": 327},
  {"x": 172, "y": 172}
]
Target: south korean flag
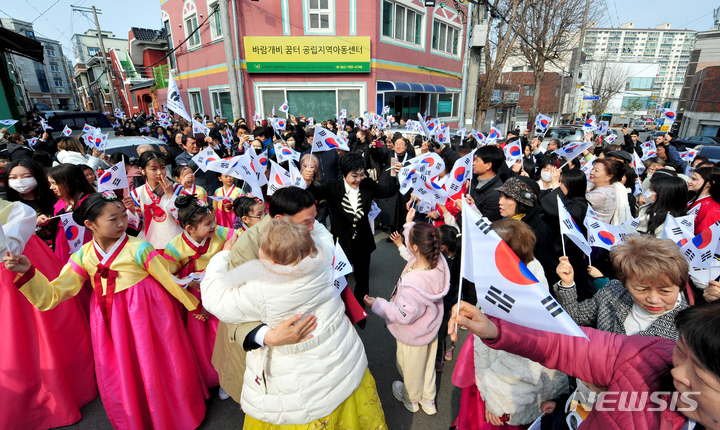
[{"x": 341, "y": 268}]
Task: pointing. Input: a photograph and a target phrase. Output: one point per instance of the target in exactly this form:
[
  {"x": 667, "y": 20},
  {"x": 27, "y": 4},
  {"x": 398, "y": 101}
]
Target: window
[
  {"x": 58, "y": 83},
  {"x": 195, "y": 102},
  {"x": 446, "y": 38},
  {"x": 168, "y": 32},
  {"x": 215, "y": 27},
  {"x": 41, "y": 77},
  {"x": 444, "y": 105},
  {"x": 30, "y": 34},
  {"x": 320, "y": 103},
  {"x": 401, "y": 23},
  {"x": 191, "y": 24},
  {"x": 50, "y": 52},
  {"x": 528, "y": 90},
  {"x": 319, "y": 16},
  {"x": 220, "y": 99},
  {"x": 92, "y": 51},
  {"x": 517, "y": 69},
  {"x": 54, "y": 68}
]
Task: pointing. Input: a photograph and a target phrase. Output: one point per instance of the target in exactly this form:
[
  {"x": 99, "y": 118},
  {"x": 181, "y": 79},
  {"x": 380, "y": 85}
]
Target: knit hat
[{"x": 519, "y": 191}]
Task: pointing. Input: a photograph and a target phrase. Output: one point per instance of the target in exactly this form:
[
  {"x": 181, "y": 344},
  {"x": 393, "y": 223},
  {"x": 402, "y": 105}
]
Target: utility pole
[
  {"x": 474, "y": 56},
  {"x": 576, "y": 65},
  {"x": 236, "y": 40},
  {"x": 229, "y": 58},
  {"x": 463, "y": 90},
  {"x": 111, "y": 84}
]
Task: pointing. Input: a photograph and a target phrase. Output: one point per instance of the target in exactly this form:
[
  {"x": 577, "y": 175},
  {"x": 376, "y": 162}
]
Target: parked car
[
  {"x": 643, "y": 125},
  {"x": 694, "y": 141},
  {"x": 77, "y": 120},
  {"x": 563, "y": 133},
  {"x": 712, "y": 152},
  {"x": 128, "y": 144}
]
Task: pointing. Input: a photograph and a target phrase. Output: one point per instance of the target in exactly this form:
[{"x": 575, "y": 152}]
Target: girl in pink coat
[{"x": 414, "y": 313}]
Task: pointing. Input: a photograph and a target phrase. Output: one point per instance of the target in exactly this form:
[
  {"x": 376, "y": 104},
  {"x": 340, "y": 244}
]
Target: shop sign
[{"x": 307, "y": 54}]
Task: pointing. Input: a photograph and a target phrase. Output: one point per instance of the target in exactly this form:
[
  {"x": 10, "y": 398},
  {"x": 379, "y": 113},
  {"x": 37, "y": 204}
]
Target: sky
[{"x": 59, "y": 22}]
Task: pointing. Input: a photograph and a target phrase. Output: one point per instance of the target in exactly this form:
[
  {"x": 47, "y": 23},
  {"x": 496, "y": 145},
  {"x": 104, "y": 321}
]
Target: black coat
[
  {"x": 487, "y": 198},
  {"x": 544, "y": 250},
  {"x": 329, "y": 167},
  {"x": 19, "y": 152},
  {"x": 342, "y": 222}
]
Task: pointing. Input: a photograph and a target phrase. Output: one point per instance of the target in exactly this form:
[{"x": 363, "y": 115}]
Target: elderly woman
[
  {"x": 646, "y": 297},
  {"x": 519, "y": 200},
  {"x": 322, "y": 382},
  {"x": 608, "y": 197}
]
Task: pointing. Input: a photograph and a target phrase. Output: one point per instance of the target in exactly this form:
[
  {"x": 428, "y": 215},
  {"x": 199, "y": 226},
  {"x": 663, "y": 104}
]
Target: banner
[{"x": 307, "y": 54}]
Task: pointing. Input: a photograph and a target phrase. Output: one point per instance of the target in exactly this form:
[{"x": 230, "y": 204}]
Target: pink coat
[
  {"x": 415, "y": 311},
  {"x": 620, "y": 363}
]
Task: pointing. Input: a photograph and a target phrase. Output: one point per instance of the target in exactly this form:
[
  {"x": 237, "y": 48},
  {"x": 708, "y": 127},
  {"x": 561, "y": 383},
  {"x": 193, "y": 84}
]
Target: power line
[
  {"x": 696, "y": 19},
  {"x": 45, "y": 11},
  {"x": 186, "y": 39}
]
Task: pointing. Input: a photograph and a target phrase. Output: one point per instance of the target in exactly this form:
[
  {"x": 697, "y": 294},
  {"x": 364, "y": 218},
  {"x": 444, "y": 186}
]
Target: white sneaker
[
  {"x": 397, "y": 389},
  {"x": 428, "y": 406},
  {"x": 223, "y": 394}
]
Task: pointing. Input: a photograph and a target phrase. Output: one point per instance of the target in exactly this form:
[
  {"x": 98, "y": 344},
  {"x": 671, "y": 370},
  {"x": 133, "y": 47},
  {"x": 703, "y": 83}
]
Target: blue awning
[{"x": 410, "y": 87}]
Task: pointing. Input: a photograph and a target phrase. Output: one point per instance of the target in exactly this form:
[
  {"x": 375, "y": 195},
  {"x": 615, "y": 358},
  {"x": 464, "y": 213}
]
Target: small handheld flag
[
  {"x": 285, "y": 107},
  {"x": 66, "y": 131},
  {"x": 114, "y": 178}
]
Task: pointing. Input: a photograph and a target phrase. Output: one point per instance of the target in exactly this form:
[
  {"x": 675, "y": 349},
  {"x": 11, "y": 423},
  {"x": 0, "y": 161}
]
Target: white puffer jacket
[{"x": 292, "y": 384}]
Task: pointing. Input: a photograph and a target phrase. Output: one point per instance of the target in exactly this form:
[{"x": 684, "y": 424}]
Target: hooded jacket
[
  {"x": 415, "y": 311},
  {"x": 290, "y": 384},
  {"x": 19, "y": 152}
]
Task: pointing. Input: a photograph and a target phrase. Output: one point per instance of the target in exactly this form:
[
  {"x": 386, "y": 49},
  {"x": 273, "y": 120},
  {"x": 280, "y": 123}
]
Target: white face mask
[
  {"x": 650, "y": 195},
  {"x": 545, "y": 176},
  {"x": 23, "y": 186}
]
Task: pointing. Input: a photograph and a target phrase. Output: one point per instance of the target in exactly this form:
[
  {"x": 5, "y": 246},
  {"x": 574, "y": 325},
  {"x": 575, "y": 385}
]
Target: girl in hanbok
[
  {"x": 156, "y": 201},
  {"x": 224, "y": 209},
  {"x": 248, "y": 212},
  {"x": 185, "y": 176},
  {"x": 46, "y": 372},
  {"x": 146, "y": 369},
  {"x": 69, "y": 184},
  {"x": 188, "y": 254}
]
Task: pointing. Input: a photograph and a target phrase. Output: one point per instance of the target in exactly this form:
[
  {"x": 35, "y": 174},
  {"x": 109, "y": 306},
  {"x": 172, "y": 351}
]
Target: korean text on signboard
[{"x": 308, "y": 54}]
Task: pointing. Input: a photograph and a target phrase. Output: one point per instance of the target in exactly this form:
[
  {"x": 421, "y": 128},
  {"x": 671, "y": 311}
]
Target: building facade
[
  {"x": 45, "y": 85},
  {"x": 661, "y": 45},
  {"x": 706, "y": 54},
  {"x": 91, "y": 82},
  {"x": 321, "y": 56}
]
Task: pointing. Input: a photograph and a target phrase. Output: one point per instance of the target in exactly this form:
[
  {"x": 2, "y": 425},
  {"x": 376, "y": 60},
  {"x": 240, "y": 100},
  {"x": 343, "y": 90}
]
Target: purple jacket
[
  {"x": 620, "y": 363},
  {"x": 415, "y": 311}
]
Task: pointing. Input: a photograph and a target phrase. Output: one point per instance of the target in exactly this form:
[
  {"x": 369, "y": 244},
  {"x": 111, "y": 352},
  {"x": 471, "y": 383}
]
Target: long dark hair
[
  {"x": 72, "y": 180},
  {"x": 575, "y": 182},
  {"x": 711, "y": 175},
  {"x": 671, "y": 195},
  {"x": 44, "y": 197}
]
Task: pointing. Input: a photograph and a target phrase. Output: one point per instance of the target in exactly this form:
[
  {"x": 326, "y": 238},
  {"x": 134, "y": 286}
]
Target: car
[
  {"x": 654, "y": 134},
  {"x": 565, "y": 134},
  {"x": 693, "y": 141},
  {"x": 712, "y": 152},
  {"x": 77, "y": 120},
  {"x": 128, "y": 144},
  {"x": 644, "y": 125}
]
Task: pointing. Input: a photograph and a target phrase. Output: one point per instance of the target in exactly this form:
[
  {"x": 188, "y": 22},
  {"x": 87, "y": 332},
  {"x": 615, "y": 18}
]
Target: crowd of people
[{"x": 185, "y": 280}]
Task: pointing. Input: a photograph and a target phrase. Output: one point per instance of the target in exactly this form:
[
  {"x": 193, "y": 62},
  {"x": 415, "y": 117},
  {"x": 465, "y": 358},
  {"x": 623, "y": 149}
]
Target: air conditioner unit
[{"x": 479, "y": 35}]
